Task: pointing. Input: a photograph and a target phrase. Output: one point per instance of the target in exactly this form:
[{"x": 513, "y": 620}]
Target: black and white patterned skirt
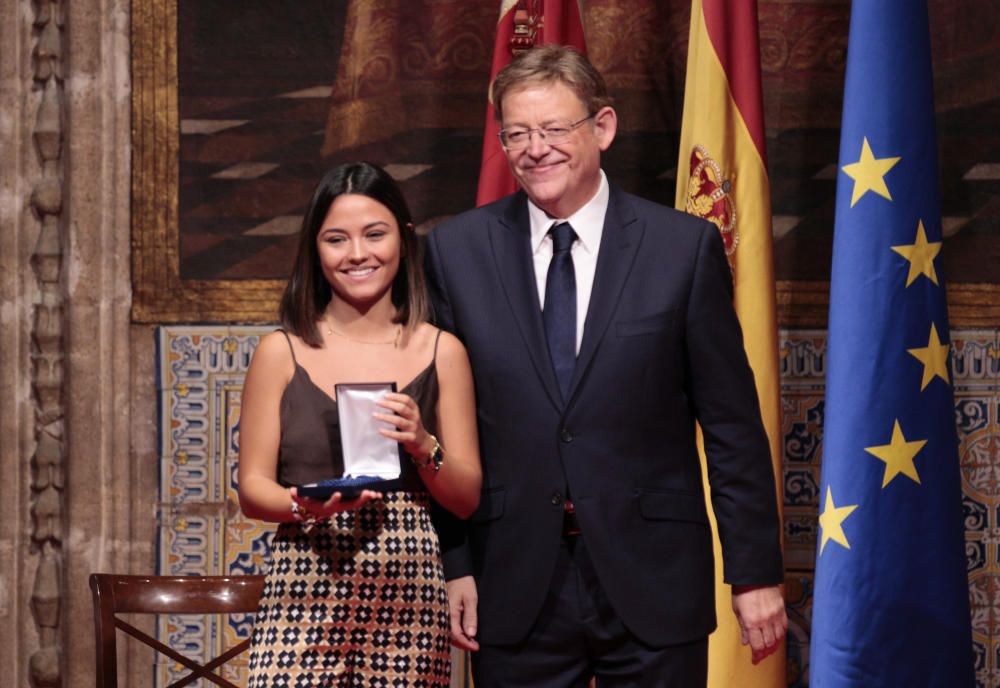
[{"x": 357, "y": 600}]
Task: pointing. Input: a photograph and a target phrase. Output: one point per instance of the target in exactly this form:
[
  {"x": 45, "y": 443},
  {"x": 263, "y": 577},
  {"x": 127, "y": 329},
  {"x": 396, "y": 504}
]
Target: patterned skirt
[{"x": 357, "y": 600}]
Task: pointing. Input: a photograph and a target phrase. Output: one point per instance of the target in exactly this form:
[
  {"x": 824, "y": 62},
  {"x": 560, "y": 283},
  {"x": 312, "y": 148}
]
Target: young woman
[{"x": 355, "y": 594}]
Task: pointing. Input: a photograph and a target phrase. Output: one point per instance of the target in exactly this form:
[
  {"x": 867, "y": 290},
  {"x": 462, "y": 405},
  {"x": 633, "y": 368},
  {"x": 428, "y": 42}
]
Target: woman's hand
[
  {"x": 334, "y": 505},
  {"x": 410, "y": 431}
]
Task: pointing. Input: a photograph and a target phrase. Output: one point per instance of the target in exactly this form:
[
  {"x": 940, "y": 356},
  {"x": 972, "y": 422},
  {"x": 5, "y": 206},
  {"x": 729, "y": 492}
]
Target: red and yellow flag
[
  {"x": 722, "y": 176},
  {"x": 545, "y": 21}
]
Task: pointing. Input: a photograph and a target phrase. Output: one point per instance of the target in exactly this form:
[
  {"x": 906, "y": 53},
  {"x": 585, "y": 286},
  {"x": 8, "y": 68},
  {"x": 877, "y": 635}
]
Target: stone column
[
  {"x": 65, "y": 433},
  {"x": 100, "y": 471},
  {"x": 19, "y": 173}
]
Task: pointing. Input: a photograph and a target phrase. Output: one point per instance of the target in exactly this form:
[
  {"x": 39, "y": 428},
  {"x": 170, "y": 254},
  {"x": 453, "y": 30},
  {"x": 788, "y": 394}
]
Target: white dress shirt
[{"x": 588, "y": 223}]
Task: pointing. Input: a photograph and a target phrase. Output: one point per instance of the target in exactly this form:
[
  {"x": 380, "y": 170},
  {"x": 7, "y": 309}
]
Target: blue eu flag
[{"x": 891, "y": 604}]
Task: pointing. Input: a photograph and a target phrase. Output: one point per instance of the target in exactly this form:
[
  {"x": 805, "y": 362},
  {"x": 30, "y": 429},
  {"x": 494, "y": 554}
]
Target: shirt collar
[{"x": 588, "y": 221}]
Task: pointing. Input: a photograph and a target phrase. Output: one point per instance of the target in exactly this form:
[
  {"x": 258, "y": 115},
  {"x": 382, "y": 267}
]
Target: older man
[{"x": 600, "y": 329}]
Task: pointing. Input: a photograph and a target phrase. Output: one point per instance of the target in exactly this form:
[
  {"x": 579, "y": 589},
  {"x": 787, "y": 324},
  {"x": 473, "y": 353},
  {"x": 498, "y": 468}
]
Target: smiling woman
[
  {"x": 355, "y": 206},
  {"x": 354, "y": 311},
  {"x": 359, "y": 251}
]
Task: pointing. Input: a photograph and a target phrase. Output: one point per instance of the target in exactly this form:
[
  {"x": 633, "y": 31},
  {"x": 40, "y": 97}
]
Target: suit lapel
[
  {"x": 620, "y": 241},
  {"x": 510, "y": 237}
]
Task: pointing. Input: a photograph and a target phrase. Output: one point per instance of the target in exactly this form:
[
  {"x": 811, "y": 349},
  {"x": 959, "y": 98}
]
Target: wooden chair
[{"x": 115, "y": 595}]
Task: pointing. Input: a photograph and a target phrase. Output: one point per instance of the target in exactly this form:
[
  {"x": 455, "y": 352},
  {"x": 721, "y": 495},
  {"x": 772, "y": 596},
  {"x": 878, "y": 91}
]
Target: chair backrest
[{"x": 114, "y": 594}]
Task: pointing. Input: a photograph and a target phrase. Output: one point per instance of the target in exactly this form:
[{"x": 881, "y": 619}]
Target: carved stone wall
[
  {"x": 65, "y": 388},
  {"x": 47, "y": 353},
  {"x": 17, "y": 291}
]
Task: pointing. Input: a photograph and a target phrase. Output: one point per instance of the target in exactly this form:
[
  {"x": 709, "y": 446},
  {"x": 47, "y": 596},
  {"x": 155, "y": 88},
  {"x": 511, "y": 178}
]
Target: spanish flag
[
  {"x": 722, "y": 176},
  {"x": 559, "y": 22}
]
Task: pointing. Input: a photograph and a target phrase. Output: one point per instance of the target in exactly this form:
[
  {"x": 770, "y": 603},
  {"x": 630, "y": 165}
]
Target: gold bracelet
[{"x": 434, "y": 459}]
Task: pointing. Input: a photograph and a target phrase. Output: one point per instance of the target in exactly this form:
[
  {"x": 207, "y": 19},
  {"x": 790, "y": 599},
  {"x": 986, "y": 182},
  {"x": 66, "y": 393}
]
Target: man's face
[{"x": 559, "y": 178}]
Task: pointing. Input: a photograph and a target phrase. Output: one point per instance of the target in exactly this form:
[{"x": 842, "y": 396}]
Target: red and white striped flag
[{"x": 553, "y": 21}]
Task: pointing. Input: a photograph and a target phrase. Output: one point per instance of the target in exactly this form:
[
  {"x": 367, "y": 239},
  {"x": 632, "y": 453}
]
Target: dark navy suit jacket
[{"x": 661, "y": 349}]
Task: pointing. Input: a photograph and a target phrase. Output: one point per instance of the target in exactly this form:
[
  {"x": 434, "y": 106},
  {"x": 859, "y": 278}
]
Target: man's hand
[
  {"x": 760, "y": 610},
  {"x": 462, "y": 601}
]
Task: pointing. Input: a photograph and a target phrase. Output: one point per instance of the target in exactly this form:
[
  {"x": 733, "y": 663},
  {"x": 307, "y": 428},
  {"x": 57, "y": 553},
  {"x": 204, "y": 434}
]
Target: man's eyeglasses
[{"x": 516, "y": 138}]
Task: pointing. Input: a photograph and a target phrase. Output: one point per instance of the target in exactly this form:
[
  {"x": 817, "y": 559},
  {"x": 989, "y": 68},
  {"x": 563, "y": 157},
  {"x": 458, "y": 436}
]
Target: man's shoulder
[
  {"x": 473, "y": 221},
  {"x": 646, "y": 209},
  {"x": 664, "y": 220}
]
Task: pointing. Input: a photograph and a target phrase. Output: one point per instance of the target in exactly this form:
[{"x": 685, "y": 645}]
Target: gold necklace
[{"x": 394, "y": 341}]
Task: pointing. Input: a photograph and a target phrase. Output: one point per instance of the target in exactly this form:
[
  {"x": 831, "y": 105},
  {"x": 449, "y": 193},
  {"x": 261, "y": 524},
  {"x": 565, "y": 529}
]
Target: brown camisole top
[{"x": 310, "y": 449}]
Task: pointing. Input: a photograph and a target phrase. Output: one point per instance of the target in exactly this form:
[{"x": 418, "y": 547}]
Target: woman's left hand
[{"x": 410, "y": 431}]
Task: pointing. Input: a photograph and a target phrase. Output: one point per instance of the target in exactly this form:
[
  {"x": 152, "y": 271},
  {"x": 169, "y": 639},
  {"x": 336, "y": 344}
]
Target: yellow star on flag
[
  {"x": 868, "y": 173},
  {"x": 832, "y": 522},
  {"x": 934, "y": 356},
  {"x": 898, "y": 456},
  {"x": 921, "y": 254}
]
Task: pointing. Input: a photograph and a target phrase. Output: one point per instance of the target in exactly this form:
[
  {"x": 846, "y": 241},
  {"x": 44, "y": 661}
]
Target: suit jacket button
[
  {"x": 557, "y": 498},
  {"x": 566, "y": 436}
]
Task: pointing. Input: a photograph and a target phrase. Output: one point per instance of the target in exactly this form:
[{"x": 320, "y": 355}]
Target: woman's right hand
[{"x": 334, "y": 505}]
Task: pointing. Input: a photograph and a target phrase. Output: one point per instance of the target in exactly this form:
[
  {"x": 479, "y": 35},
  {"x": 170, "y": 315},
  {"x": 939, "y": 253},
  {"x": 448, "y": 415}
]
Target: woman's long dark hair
[{"x": 308, "y": 292}]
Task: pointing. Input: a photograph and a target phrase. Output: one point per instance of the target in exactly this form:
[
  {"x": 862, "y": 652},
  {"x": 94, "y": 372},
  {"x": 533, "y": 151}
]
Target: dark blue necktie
[{"x": 559, "y": 313}]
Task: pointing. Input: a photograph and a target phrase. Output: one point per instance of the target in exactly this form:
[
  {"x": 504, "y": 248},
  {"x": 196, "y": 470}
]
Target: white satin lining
[{"x": 366, "y": 451}]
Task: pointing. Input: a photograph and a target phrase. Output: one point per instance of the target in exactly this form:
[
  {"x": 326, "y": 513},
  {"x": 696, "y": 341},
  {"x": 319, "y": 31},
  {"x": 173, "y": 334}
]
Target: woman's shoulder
[
  {"x": 275, "y": 351},
  {"x": 450, "y": 345},
  {"x": 429, "y": 342},
  {"x": 275, "y": 342},
  {"x": 447, "y": 348},
  {"x": 428, "y": 335}
]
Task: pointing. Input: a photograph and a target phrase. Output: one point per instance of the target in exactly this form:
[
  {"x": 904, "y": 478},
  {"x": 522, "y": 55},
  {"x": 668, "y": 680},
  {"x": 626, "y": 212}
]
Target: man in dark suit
[{"x": 600, "y": 329}]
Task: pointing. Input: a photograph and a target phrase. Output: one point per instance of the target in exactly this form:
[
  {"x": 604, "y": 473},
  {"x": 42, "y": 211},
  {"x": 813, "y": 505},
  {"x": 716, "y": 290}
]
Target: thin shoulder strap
[
  {"x": 436, "y": 340},
  {"x": 290, "y": 347}
]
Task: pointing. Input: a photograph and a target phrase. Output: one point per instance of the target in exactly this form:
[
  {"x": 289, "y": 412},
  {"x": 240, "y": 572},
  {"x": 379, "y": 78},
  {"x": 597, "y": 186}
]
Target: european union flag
[{"x": 891, "y": 604}]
